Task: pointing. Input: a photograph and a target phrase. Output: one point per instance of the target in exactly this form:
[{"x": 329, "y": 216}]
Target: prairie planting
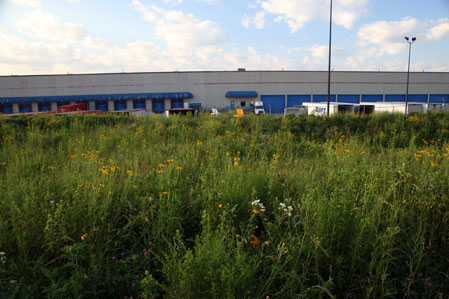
[{"x": 224, "y": 207}]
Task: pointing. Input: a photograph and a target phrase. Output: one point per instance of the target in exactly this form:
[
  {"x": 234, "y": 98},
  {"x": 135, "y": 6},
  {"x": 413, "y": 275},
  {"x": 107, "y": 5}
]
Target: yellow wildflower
[
  {"x": 220, "y": 206},
  {"x": 84, "y": 237},
  {"x": 161, "y": 165},
  {"x": 150, "y": 198},
  {"x": 409, "y": 175},
  {"x": 256, "y": 211},
  {"x": 104, "y": 170},
  {"x": 160, "y": 171},
  {"x": 165, "y": 192},
  {"x": 169, "y": 161},
  {"x": 179, "y": 168},
  {"x": 434, "y": 164}
]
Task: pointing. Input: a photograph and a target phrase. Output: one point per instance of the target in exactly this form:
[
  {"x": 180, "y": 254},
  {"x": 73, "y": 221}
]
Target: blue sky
[{"x": 85, "y": 36}]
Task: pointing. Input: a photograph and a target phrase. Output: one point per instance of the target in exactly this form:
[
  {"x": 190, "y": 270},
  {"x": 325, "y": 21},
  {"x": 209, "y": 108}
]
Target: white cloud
[
  {"x": 173, "y": 2},
  {"x": 296, "y": 13},
  {"x": 320, "y": 51},
  {"x": 45, "y": 26},
  {"x": 439, "y": 31},
  {"x": 211, "y": 2},
  {"x": 181, "y": 30},
  {"x": 389, "y": 36},
  {"x": 34, "y": 3},
  {"x": 74, "y": 1},
  {"x": 364, "y": 60},
  {"x": 258, "y": 20}
]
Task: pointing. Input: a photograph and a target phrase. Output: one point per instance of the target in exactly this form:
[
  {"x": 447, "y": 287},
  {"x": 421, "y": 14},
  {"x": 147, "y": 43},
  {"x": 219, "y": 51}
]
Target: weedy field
[{"x": 225, "y": 207}]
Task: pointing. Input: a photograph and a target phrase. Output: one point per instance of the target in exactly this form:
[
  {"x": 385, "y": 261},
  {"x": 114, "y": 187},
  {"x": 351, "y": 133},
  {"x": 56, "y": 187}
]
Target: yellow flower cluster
[
  {"x": 7, "y": 137},
  {"x": 108, "y": 169}
]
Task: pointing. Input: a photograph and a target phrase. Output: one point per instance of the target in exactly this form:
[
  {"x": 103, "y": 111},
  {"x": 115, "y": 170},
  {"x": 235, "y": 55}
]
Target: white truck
[{"x": 258, "y": 107}]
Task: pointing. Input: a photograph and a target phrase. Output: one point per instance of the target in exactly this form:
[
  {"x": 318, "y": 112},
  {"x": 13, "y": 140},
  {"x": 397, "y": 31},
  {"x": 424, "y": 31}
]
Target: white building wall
[
  {"x": 34, "y": 107},
  {"x": 209, "y": 88}
]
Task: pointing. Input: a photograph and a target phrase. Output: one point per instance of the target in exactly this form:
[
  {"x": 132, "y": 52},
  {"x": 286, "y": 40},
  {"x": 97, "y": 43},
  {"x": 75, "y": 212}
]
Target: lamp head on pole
[
  {"x": 406, "y": 38},
  {"x": 413, "y": 39}
]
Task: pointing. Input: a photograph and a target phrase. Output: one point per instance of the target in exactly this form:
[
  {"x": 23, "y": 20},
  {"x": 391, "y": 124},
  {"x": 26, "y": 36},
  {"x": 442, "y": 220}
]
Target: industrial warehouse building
[{"x": 156, "y": 92}]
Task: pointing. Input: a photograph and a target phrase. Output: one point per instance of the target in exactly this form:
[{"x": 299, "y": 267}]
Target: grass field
[{"x": 225, "y": 207}]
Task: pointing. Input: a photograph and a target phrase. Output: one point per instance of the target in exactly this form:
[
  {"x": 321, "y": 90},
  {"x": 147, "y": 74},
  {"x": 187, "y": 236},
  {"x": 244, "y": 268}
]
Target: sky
[{"x": 102, "y": 36}]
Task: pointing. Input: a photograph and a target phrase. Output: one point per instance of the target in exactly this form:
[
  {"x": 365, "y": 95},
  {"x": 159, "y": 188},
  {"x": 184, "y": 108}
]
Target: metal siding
[
  {"x": 319, "y": 98},
  {"x": 439, "y": 98},
  {"x": 395, "y": 98},
  {"x": 372, "y": 98},
  {"x": 273, "y": 103},
  {"x": 99, "y": 97},
  {"x": 177, "y": 104},
  {"x": 120, "y": 106},
  {"x": 349, "y": 98},
  {"x": 158, "y": 106},
  {"x": 297, "y": 100}
]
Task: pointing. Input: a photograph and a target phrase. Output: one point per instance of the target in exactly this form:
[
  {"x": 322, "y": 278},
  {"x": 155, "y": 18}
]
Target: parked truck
[{"x": 258, "y": 107}]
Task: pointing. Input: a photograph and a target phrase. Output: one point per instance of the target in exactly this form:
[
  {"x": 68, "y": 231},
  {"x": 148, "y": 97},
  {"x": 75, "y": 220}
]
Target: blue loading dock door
[
  {"x": 439, "y": 98},
  {"x": 322, "y": 98},
  {"x": 6, "y": 109},
  {"x": 297, "y": 100},
  {"x": 44, "y": 107},
  {"x": 139, "y": 105},
  {"x": 120, "y": 106},
  {"x": 25, "y": 108},
  {"x": 417, "y": 98},
  {"x": 158, "y": 106},
  {"x": 372, "y": 98},
  {"x": 177, "y": 103},
  {"x": 273, "y": 104},
  {"x": 102, "y": 107},
  {"x": 349, "y": 98},
  {"x": 395, "y": 98}
]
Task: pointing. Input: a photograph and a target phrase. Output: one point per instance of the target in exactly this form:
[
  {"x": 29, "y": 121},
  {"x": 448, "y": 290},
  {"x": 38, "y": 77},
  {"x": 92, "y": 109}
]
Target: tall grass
[{"x": 224, "y": 207}]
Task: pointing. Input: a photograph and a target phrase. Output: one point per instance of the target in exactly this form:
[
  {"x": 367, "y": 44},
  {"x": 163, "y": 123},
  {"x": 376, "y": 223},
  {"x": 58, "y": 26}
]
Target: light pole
[
  {"x": 329, "y": 69},
  {"x": 410, "y": 42}
]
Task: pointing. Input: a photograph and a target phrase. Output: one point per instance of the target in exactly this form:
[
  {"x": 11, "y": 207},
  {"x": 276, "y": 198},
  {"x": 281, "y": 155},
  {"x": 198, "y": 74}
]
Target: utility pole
[
  {"x": 410, "y": 42},
  {"x": 329, "y": 69}
]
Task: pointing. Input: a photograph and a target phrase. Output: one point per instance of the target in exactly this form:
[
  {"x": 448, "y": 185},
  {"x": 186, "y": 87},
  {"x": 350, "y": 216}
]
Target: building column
[
  {"x": 129, "y": 104},
  {"x": 34, "y": 107},
  {"x": 167, "y": 104},
  {"x": 54, "y": 106},
  {"x": 91, "y": 105},
  {"x": 15, "y": 108},
  {"x": 149, "y": 105},
  {"x": 111, "y": 106}
]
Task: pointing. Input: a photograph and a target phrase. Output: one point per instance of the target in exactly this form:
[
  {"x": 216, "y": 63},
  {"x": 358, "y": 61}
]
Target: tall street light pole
[
  {"x": 329, "y": 69},
  {"x": 410, "y": 42}
]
